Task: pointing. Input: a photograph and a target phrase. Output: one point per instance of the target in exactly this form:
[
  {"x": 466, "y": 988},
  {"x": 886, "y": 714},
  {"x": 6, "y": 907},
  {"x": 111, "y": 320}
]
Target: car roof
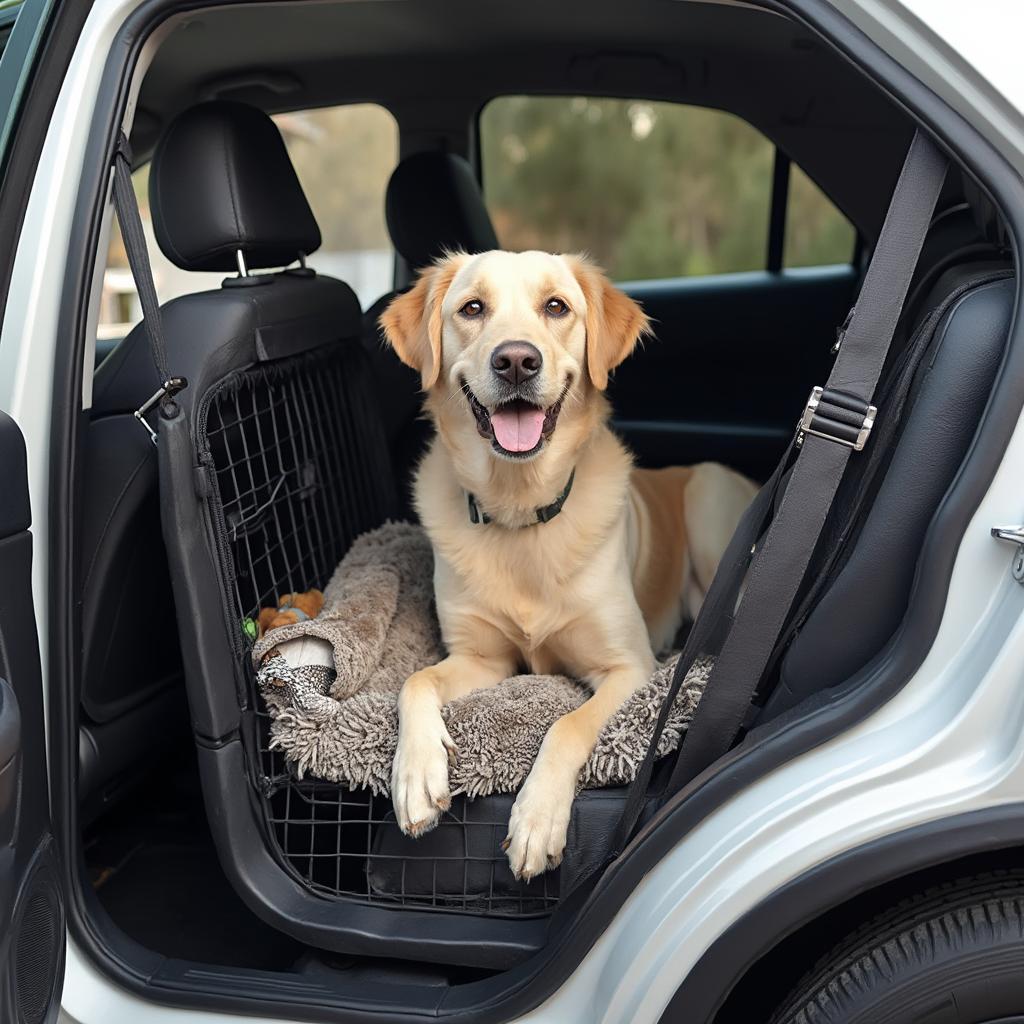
[{"x": 435, "y": 63}]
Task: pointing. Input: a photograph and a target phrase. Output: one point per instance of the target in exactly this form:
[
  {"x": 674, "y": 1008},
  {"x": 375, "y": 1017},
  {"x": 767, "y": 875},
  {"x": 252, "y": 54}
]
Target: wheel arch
[{"x": 755, "y": 962}]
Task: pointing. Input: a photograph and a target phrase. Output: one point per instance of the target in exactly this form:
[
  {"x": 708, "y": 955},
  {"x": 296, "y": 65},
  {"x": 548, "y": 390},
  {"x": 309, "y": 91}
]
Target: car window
[
  {"x": 816, "y": 232},
  {"x": 649, "y": 189},
  {"x": 8, "y": 16},
  {"x": 343, "y": 157},
  {"x": 120, "y": 308},
  {"x": 20, "y": 37}
]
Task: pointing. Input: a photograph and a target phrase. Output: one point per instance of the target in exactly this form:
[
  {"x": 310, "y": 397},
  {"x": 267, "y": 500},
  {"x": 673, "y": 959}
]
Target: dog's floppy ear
[
  {"x": 615, "y": 322},
  {"x": 412, "y": 321}
]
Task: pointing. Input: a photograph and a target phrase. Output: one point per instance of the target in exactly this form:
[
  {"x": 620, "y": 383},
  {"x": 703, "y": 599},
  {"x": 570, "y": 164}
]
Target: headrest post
[
  {"x": 243, "y": 271},
  {"x": 302, "y": 260}
]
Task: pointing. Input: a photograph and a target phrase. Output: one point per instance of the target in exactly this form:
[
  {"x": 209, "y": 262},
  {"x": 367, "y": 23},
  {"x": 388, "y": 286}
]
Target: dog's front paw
[
  {"x": 419, "y": 776},
  {"x": 538, "y": 825}
]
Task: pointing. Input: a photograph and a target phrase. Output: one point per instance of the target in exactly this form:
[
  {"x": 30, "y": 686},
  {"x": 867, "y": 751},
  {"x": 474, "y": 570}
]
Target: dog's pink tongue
[{"x": 518, "y": 429}]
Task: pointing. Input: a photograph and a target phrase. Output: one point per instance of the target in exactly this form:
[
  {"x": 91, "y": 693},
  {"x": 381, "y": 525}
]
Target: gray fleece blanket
[{"x": 341, "y": 724}]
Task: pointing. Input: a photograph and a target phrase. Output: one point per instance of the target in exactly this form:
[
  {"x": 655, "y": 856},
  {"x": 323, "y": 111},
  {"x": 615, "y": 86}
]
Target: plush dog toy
[
  {"x": 296, "y": 665},
  {"x": 290, "y": 608}
]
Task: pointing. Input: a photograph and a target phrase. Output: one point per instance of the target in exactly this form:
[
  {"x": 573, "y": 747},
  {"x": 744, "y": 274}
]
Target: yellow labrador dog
[{"x": 552, "y": 552}]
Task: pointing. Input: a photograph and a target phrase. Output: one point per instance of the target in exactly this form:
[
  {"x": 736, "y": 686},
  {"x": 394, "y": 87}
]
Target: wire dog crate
[{"x": 298, "y": 469}]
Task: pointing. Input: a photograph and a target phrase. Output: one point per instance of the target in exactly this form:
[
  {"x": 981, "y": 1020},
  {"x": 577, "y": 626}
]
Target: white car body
[{"x": 951, "y": 741}]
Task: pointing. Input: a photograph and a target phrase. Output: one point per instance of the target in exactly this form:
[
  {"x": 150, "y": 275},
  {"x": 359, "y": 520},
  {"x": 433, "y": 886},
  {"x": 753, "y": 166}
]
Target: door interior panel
[
  {"x": 31, "y": 905},
  {"x": 731, "y": 364}
]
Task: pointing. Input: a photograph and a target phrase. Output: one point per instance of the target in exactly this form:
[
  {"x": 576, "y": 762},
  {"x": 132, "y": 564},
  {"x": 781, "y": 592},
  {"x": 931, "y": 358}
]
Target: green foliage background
[{"x": 648, "y": 189}]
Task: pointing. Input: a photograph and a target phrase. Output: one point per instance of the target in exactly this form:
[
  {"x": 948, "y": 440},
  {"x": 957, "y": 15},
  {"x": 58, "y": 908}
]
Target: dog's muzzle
[{"x": 516, "y": 427}]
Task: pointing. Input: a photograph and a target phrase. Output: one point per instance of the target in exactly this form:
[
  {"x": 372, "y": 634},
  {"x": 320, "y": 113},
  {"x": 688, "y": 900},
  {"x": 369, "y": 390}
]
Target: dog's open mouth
[{"x": 516, "y": 428}]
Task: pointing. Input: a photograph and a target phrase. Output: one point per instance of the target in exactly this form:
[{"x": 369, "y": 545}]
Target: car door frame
[{"x": 39, "y": 37}]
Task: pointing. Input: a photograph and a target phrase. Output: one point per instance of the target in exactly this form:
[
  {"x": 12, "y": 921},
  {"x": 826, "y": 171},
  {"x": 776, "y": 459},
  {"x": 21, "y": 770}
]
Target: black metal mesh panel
[{"x": 300, "y": 468}]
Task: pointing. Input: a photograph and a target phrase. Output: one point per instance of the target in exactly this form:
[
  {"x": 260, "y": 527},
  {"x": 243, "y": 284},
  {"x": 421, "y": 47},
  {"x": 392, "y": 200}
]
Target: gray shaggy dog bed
[{"x": 378, "y": 626}]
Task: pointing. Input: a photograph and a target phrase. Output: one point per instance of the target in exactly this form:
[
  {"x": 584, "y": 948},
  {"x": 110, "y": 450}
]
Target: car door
[
  {"x": 734, "y": 360},
  {"x": 32, "y": 918},
  {"x": 745, "y": 267},
  {"x": 31, "y": 904}
]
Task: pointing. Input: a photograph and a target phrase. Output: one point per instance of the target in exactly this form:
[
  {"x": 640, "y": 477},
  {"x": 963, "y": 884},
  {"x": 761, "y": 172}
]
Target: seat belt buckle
[
  {"x": 837, "y": 416},
  {"x": 168, "y": 389}
]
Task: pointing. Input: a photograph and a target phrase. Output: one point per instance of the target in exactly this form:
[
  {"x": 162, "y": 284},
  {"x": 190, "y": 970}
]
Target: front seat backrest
[{"x": 221, "y": 183}]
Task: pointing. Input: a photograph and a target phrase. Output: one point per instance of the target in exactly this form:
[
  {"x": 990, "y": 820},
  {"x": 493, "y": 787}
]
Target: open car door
[
  {"x": 32, "y": 934},
  {"x": 32, "y": 917}
]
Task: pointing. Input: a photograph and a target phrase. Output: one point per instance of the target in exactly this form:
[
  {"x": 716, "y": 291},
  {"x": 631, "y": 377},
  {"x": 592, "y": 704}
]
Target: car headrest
[
  {"x": 434, "y": 203},
  {"x": 221, "y": 181}
]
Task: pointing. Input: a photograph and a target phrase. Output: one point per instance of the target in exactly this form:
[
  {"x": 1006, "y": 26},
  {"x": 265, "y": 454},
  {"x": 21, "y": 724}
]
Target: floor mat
[{"x": 154, "y": 868}]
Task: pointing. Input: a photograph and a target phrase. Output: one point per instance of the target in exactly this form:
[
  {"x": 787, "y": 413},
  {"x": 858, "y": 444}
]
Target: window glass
[
  {"x": 816, "y": 232},
  {"x": 648, "y": 189},
  {"x": 8, "y": 15},
  {"x": 120, "y": 308},
  {"x": 343, "y": 157}
]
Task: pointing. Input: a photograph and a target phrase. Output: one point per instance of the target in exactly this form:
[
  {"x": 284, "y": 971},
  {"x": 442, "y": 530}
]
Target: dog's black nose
[{"x": 516, "y": 361}]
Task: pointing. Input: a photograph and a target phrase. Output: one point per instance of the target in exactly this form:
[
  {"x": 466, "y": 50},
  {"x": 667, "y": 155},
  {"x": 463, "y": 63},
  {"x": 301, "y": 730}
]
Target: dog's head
[{"x": 526, "y": 338}]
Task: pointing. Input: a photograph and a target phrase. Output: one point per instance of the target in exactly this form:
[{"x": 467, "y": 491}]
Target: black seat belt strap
[
  {"x": 837, "y": 421},
  {"x": 130, "y": 221},
  {"x": 705, "y": 637}
]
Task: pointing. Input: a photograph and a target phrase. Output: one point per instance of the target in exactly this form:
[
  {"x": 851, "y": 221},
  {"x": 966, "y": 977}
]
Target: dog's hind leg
[{"x": 715, "y": 500}]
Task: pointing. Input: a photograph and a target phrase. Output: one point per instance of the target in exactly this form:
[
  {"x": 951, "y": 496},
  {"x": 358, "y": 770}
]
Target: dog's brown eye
[
  {"x": 555, "y": 307},
  {"x": 472, "y": 308}
]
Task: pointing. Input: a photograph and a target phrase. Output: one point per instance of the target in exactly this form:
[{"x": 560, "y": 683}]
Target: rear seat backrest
[{"x": 863, "y": 606}]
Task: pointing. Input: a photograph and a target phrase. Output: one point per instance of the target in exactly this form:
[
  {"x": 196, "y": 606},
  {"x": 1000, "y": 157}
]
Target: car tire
[{"x": 951, "y": 955}]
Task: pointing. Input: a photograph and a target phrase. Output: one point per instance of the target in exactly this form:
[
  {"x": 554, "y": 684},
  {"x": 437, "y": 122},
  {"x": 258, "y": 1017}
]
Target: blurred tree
[
  {"x": 816, "y": 232},
  {"x": 648, "y": 189},
  {"x": 344, "y": 157}
]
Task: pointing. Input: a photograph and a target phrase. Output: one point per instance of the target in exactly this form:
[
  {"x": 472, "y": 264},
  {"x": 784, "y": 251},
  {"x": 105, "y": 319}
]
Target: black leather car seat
[
  {"x": 433, "y": 203},
  {"x": 965, "y": 269},
  {"x": 221, "y": 184}
]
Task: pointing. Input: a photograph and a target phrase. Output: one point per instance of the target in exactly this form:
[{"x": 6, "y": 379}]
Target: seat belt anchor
[
  {"x": 837, "y": 416},
  {"x": 168, "y": 389}
]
